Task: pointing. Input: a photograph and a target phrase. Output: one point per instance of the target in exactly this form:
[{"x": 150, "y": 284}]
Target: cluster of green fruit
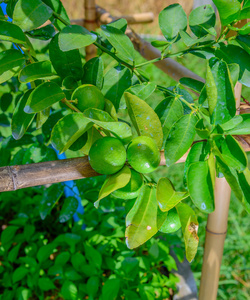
[{"x": 108, "y": 155}]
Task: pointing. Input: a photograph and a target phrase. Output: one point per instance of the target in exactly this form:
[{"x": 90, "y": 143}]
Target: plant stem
[
  {"x": 57, "y": 16},
  {"x": 71, "y": 106}
]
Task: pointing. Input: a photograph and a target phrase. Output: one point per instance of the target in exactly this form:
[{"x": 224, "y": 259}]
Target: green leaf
[
  {"x": 120, "y": 24},
  {"x": 113, "y": 183},
  {"x": 234, "y": 54},
  {"x": 75, "y": 37},
  {"x": 220, "y": 92},
  {"x": 43, "y": 96},
  {"x": 120, "y": 129},
  {"x": 65, "y": 63},
  {"x": 30, "y": 14},
  {"x": 244, "y": 181},
  {"x": 38, "y": 70},
  {"x": 93, "y": 72},
  {"x": 172, "y": 20},
  {"x": 49, "y": 199},
  {"x": 68, "y": 209},
  {"x": 111, "y": 289},
  {"x": 68, "y": 129},
  {"x": 202, "y": 20},
  {"x": 124, "y": 48},
  {"x": 189, "y": 225},
  {"x": 244, "y": 42},
  {"x": 143, "y": 90},
  {"x": 169, "y": 111},
  {"x": 13, "y": 253},
  {"x": 233, "y": 154},
  {"x": 202, "y": 130},
  {"x": 8, "y": 234},
  {"x": 237, "y": 127},
  {"x": 229, "y": 10},
  {"x": 167, "y": 196},
  {"x": 198, "y": 152},
  {"x": 192, "y": 84},
  {"x": 245, "y": 29},
  {"x": 234, "y": 72},
  {"x": 19, "y": 274},
  {"x": 93, "y": 284},
  {"x": 93, "y": 256},
  {"x": 57, "y": 7},
  {"x": 116, "y": 81},
  {"x": 141, "y": 221},
  {"x": 180, "y": 138},
  {"x": 12, "y": 33},
  {"x": 110, "y": 109},
  {"x": 200, "y": 186},
  {"x": 42, "y": 117},
  {"x": 46, "y": 284},
  {"x": 144, "y": 119},
  {"x": 20, "y": 120},
  {"x": 172, "y": 222},
  {"x": 44, "y": 33},
  {"x": 69, "y": 290},
  {"x": 10, "y": 59},
  {"x": 44, "y": 252}
]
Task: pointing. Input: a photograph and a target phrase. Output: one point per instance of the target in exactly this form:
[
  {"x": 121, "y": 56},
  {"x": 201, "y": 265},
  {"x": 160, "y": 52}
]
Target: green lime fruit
[
  {"x": 132, "y": 189},
  {"x": 88, "y": 96},
  {"x": 172, "y": 222},
  {"x": 143, "y": 154},
  {"x": 107, "y": 155}
]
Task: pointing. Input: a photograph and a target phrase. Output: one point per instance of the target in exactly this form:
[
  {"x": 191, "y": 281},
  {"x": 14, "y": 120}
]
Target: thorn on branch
[{"x": 245, "y": 100}]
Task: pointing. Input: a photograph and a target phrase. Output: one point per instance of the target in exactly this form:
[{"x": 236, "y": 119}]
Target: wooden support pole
[
  {"x": 216, "y": 231},
  {"x": 168, "y": 65},
  {"x": 90, "y": 24}
]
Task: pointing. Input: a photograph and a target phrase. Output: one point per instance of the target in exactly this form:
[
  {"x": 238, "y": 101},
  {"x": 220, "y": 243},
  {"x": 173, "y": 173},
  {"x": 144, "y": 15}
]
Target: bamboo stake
[
  {"x": 90, "y": 24},
  {"x": 216, "y": 231}
]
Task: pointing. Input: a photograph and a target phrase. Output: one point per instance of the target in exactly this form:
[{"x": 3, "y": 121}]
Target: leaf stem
[
  {"x": 71, "y": 106},
  {"x": 57, "y": 16}
]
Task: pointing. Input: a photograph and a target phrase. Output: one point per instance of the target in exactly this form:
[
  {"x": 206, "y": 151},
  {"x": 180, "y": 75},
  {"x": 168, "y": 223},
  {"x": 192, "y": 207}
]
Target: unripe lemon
[
  {"x": 132, "y": 189},
  {"x": 107, "y": 155},
  {"x": 88, "y": 96},
  {"x": 143, "y": 154},
  {"x": 172, "y": 222}
]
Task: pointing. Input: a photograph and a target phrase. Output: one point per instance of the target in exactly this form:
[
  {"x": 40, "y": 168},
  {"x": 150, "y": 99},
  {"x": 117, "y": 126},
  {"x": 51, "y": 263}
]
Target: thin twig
[{"x": 245, "y": 100}]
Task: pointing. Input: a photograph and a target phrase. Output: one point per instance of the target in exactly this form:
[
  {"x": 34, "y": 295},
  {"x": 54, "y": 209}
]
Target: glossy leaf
[
  {"x": 172, "y": 20},
  {"x": 116, "y": 81},
  {"x": 244, "y": 30},
  {"x": 57, "y": 7},
  {"x": 20, "y": 120},
  {"x": 10, "y": 59},
  {"x": 19, "y": 274},
  {"x": 143, "y": 90},
  {"x": 172, "y": 222},
  {"x": 198, "y": 152},
  {"x": 234, "y": 122},
  {"x": 242, "y": 127},
  {"x": 42, "y": 117},
  {"x": 244, "y": 181},
  {"x": 244, "y": 42},
  {"x": 144, "y": 119},
  {"x": 200, "y": 186},
  {"x": 110, "y": 109},
  {"x": 120, "y": 129},
  {"x": 228, "y": 10},
  {"x": 180, "y": 138},
  {"x": 189, "y": 225},
  {"x": 68, "y": 209},
  {"x": 169, "y": 111},
  {"x": 68, "y": 129},
  {"x": 65, "y": 63},
  {"x": 49, "y": 199},
  {"x": 124, "y": 48},
  {"x": 75, "y": 37},
  {"x": 113, "y": 183},
  {"x": 93, "y": 135},
  {"x": 93, "y": 72},
  {"x": 202, "y": 130},
  {"x": 202, "y": 20},
  {"x": 79, "y": 143},
  {"x": 38, "y": 70},
  {"x": 141, "y": 221},
  {"x": 44, "y": 33},
  {"x": 234, "y": 54},
  {"x": 166, "y": 195},
  {"x": 45, "y": 95},
  {"x": 31, "y": 14},
  {"x": 12, "y": 33},
  {"x": 233, "y": 154},
  {"x": 192, "y": 84},
  {"x": 221, "y": 101}
]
